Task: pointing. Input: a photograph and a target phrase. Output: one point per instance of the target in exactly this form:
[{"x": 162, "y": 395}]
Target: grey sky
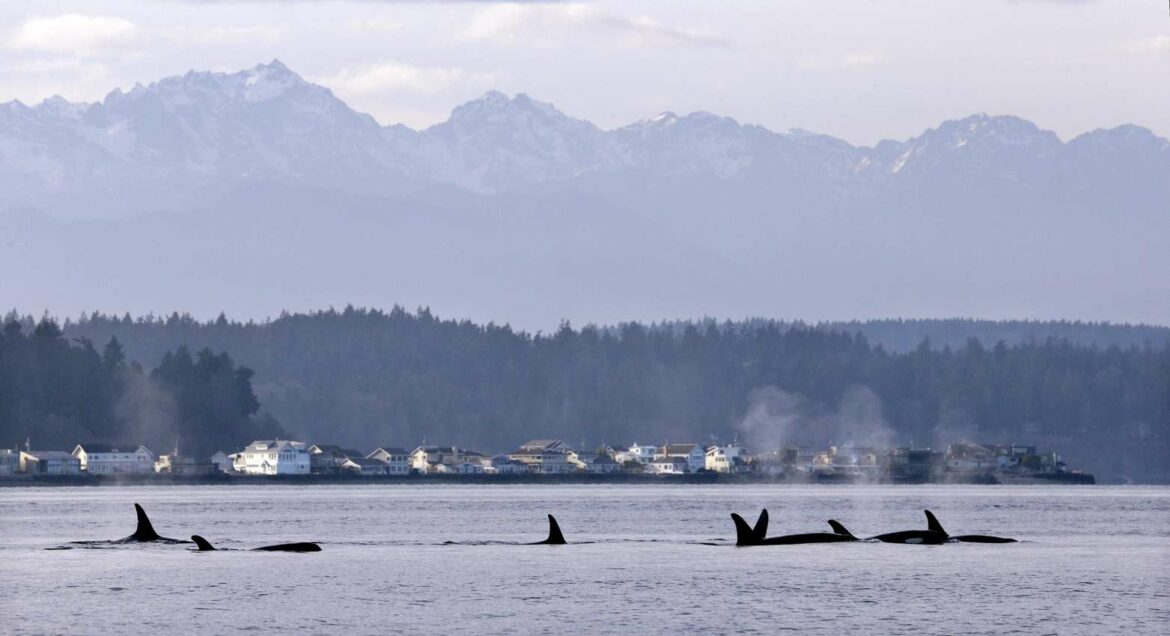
[{"x": 858, "y": 70}]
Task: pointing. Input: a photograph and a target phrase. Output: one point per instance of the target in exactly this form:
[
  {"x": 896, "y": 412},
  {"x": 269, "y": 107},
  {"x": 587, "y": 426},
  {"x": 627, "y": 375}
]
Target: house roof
[
  {"x": 536, "y": 452},
  {"x": 109, "y": 448},
  {"x": 365, "y": 461},
  {"x": 390, "y": 450},
  {"x": 44, "y": 455},
  {"x": 543, "y": 444},
  {"x": 681, "y": 449},
  {"x": 447, "y": 450},
  {"x": 278, "y": 445},
  {"x": 669, "y": 460}
]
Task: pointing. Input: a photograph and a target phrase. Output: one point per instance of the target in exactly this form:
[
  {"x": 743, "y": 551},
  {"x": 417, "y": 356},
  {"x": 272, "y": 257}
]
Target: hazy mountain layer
[{"x": 258, "y": 191}]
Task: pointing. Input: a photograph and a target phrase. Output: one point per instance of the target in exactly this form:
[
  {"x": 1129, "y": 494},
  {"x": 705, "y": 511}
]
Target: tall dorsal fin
[
  {"x": 145, "y": 531},
  {"x": 204, "y": 544},
  {"x": 744, "y": 535},
  {"x": 554, "y": 532},
  {"x": 933, "y": 525},
  {"x": 760, "y": 531},
  {"x": 840, "y": 529}
]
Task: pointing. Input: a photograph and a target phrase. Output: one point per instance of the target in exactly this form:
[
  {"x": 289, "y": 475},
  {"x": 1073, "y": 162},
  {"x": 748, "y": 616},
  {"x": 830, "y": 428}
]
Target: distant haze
[{"x": 257, "y": 191}]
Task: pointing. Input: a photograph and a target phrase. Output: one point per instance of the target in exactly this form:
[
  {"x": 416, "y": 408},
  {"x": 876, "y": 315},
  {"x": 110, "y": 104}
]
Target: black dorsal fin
[
  {"x": 760, "y": 531},
  {"x": 145, "y": 531},
  {"x": 840, "y": 529},
  {"x": 744, "y": 535},
  {"x": 554, "y": 532},
  {"x": 204, "y": 544},
  {"x": 933, "y": 525}
]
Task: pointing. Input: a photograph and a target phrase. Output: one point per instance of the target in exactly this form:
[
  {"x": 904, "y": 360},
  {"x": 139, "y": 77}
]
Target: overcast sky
[{"x": 861, "y": 70}]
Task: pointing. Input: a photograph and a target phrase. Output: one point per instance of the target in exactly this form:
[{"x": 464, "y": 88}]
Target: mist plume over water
[{"x": 776, "y": 418}]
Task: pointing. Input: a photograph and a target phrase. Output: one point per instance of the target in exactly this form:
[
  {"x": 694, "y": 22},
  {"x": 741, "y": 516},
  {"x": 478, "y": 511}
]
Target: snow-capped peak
[{"x": 267, "y": 81}]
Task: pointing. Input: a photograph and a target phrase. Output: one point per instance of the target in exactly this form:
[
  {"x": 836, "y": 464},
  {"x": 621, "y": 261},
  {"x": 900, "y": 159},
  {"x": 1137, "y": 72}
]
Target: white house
[
  {"x": 440, "y": 459},
  {"x": 106, "y": 459},
  {"x": 276, "y": 457},
  {"x": 721, "y": 459},
  {"x": 640, "y": 453},
  {"x": 49, "y": 463},
  {"x": 664, "y": 465},
  {"x": 693, "y": 454},
  {"x": 544, "y": 456},
  {"x": 397, "y": 459}
]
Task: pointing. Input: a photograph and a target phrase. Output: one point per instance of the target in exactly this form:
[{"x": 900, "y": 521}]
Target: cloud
[
  {"x": 849, "y": 61},
  {"x": 73, "y": 33},
  {"x": 398, "y": 77},
  {"x": 549, "y": 24},
  {"x": 862, "y": 59},
  {"x": 374, "y": 26},
  {"x": 1153, "y": 46},
  {"x": 254, "y": 34}
]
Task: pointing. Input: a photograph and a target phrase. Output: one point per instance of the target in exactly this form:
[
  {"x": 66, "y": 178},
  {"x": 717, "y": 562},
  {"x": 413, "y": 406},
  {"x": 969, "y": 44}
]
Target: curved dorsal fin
[
  {"x": 554, "y": 532},
  {"x": 744, "y": 535},
  {"x": 840, "y": 529},
  {"x": 933, "y": 525},
  {"x": 204, "y": 544},
  {"x": 144, "y": 531},
  {"x": 760, "y": 531}
]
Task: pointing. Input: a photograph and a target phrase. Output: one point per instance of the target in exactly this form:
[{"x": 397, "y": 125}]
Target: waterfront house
[
  {"x": 503, "y": 465},
  {"x": 276, "y": 457},
  {"x": 108, "y": 459},
  {"x": 428, "y": 459},
  {"x": 9, "y": 461},
  {"x": 363, "y": 466},
  {"x": 544, "y": 456},
  {"x": 49, "y": 463},
  {"x": 970, "y": 458},
  {"x": 173, "y": 464},
  {"x": 666, "y": 465},
  {"x": 693, "y": 454},
  {"x": 640, "y": 453},
  {"x": 593, "y": 464},
  {"x": 721, "y": 459},
  {"x": 468, "y": 468},
  {"x": 914, "y": 464},
  {"x": 327, "y": 459},
  {"x": 397, "y": 459}
]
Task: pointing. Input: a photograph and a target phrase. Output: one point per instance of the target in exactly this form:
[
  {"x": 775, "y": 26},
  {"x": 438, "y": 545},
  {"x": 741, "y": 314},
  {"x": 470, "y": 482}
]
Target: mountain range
[{"x": 257, "y": 191}]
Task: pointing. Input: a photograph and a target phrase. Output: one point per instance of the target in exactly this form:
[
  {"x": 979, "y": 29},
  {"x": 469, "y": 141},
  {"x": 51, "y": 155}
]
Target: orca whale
[
  {"x": 964, "y": 538},
  {"x": 554, "y": 534},
  {"x": 143, "y": 533},
  {"x": 747, "y": 535},
  {"x": 203, "y": 545},
  {"x": 930, "y": 536},
  {"x": 933, "y": 535}
]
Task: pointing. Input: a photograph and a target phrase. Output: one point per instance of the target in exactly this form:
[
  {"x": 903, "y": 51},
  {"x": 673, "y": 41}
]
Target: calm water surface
[{"x": 1091, "y": 560}]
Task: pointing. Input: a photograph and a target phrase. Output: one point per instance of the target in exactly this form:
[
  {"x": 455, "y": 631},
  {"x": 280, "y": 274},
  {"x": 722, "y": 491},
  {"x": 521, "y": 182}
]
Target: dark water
[{"x": 1091, "y": 560}]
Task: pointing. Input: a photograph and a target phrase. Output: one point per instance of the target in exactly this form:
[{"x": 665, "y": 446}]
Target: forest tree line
[
  {"x": 56, "y": 392},
  {"x": 365, "y": 378}
]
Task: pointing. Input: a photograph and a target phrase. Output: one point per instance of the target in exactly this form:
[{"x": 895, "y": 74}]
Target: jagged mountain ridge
[
  {"x": 187, "y": 139},
  {"x": 256, "y": 191}
]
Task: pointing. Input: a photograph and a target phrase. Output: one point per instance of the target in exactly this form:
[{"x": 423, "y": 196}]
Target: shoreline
[{"x": 17, "y": 481}]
